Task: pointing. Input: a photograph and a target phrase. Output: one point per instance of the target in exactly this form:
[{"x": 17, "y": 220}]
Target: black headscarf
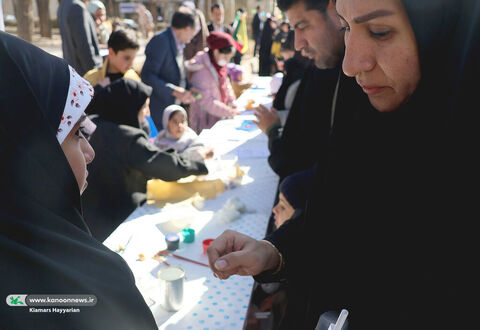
[
  {"x": 45, "y": 246},
  {"x": 120, "y": 102},
  {"x": 394, "y": 219}
]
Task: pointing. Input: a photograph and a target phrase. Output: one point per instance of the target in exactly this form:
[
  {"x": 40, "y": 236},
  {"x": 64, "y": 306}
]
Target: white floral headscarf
[{"x": 80, "y": 93}]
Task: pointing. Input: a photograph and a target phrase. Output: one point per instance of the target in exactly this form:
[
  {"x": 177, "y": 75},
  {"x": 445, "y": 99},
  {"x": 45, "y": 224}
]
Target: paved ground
[{"x": 54, "y": 46}]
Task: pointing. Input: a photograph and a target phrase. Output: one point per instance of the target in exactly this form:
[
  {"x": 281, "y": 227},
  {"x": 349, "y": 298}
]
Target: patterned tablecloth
[{"x": 209, "y": 303}]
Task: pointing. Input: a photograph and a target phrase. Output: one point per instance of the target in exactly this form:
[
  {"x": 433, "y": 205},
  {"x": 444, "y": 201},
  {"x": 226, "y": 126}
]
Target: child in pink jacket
[{"x": 208, "y": 73}]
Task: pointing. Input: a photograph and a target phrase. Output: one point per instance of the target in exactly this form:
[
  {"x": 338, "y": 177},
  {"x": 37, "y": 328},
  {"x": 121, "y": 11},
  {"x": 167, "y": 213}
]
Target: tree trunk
[
  {"x": 44, "y": 18},
  {"x": 109, "y": 8},
  {"x": 24, "y": 16},
  {"x": 152, "y": 6}
]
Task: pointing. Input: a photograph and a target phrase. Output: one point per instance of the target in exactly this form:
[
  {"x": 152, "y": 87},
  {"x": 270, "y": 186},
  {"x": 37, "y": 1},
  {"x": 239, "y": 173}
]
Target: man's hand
[
  {"x": 180, "y": 93},
  {"x": 233, "y": 253},
  {"x": 266, "y": 118}
]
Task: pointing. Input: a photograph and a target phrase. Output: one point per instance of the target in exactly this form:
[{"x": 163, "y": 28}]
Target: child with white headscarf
[{"x": 178, "y": 136}]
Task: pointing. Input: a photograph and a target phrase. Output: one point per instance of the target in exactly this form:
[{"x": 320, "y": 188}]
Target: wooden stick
[{"x": 167, "y": 253}]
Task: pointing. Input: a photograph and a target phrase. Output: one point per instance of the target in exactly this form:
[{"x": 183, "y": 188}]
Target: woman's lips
[{"x": 372, "y": 90}]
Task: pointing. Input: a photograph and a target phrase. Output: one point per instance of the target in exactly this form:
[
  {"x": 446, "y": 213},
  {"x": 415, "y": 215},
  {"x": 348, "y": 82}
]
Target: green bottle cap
[{"x": 188, "y": 235}]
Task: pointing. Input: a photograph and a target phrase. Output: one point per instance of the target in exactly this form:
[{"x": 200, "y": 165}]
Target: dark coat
[
  {"x": 308, "y": 121},
  {"x": 265, "y": 57},
  {"x": 45, "y": 246},
  {"x": 125, "y": 158},
  {"x": 118, "y": 176},
  {"x": 226, "y": 28},
  {"x": 160, "y": 68},
  {"x": 256, "y": 26},
  {"x": 392, "y": 221},
  {"x": 294, "y": 70},
  {"x": 80, "y": 44}
]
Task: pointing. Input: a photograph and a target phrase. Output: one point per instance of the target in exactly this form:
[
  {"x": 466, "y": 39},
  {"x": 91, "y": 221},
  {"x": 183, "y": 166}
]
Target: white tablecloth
[{"x": 209, "y": 303}]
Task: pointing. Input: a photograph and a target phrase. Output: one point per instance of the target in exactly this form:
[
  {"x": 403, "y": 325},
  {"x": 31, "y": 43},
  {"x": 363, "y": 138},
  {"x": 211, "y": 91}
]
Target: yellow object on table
[{"x": 177, "y": 191}]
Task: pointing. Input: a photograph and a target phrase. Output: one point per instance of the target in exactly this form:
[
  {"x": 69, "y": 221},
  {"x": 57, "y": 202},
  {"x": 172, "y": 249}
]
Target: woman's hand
[{"x": 233, "y": 253}]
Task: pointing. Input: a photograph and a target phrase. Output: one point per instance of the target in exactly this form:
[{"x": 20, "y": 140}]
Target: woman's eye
[
  {"x": 344, "y": 28},
  {"x": 380, "y": 34},
  {"x": 81, "y": 134}
]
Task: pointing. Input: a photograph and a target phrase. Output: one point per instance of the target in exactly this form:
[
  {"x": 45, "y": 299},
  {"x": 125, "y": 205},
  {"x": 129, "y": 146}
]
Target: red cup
[{"x": 206, "y": 243}]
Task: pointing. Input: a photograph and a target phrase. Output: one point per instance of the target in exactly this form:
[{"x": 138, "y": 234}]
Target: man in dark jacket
[
  {"x": 309, "y": 117},
  {"x": 126, "y": 158},
  {"x": 164, "y": 67},
  {"x": 79, "y": 37}
]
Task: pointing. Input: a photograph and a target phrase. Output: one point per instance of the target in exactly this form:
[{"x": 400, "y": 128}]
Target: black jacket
[
  {"x": 303, "y": 139},
  {"x": 125, "y": 159},
  {"x": 294, "y": 70}
]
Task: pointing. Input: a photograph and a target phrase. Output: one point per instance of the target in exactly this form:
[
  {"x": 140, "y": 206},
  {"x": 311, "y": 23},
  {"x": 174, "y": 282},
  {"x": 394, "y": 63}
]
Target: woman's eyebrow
[{"x": 372, "y": 15}]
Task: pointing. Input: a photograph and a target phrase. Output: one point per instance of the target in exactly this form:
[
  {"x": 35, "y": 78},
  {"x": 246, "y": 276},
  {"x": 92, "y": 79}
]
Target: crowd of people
[{"x": 376, "y": 204}]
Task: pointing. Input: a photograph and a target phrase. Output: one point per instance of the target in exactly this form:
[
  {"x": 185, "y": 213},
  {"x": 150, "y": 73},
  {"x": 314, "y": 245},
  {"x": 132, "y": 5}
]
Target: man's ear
[{"x": 111, "y": 52}]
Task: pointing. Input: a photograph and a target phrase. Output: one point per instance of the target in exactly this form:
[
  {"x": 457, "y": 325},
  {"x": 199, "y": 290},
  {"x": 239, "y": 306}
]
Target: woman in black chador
[{"x": 45, "y": 246}]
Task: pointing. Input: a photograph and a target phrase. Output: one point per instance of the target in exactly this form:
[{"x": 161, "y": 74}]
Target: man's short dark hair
[
  {"x": 183, "y": 17},
  {"x": 320, "y": 5},
  {"x": 217, "y": 6},
  {"x": 121, "y": 39}
]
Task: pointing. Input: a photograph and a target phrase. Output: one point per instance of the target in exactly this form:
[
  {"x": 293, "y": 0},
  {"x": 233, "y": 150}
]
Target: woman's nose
[
  {"x": 359, "y": 56},
  {"x": 88, "y": 152},
  {"x": 275, "y": 210}
]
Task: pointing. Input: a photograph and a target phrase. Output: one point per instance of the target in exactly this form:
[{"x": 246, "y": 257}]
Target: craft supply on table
[
  {"x": 206, "y": 243},
  {"x": 247, "y": 125},
  {"x": 121, "y": 248},
  {"x": 231, "y": 211},
  {"x": 173, "y": 241},
  {"x": 169, "y": 254},
  {"x": 171, "y": 287},
  {"x": 188, "y": 235}
]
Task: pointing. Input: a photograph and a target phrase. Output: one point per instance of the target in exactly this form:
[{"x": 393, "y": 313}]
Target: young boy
[{"x": 122, "y": 49}]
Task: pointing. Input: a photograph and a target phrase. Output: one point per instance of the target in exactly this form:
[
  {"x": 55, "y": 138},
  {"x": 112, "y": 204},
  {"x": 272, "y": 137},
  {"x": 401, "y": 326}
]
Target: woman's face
[
  {"x": 222, "y": 59},
  {"x": 282, "y": 211},
  {"x": 177, "y": 124},
  {"x": 380, "y": 50},
  {"x": 79, "y": 154}
]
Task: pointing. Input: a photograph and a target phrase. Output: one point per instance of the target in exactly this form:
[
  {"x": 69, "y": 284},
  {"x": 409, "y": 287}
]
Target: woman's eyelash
[
  {"x": 84, "y": 135},
  {"x": 380, "y": 34}
]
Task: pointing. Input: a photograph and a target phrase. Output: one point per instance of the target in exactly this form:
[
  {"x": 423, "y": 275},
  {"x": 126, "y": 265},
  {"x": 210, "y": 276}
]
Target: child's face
[
  {"x": 282, "y": 211},
  {"x": 121, "y": 61},
  {"x": 79, "y": 153},
  {"x": 177, "y": 125}
]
